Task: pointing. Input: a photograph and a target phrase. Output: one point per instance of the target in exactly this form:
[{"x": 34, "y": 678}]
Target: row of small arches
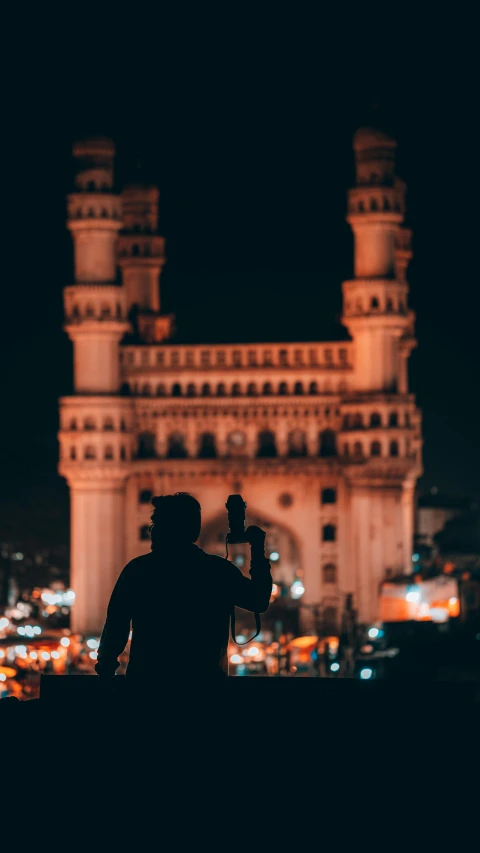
[
  {"x": 357, "y": 420},
  {"x": 90, "y": 452},
  {"x": 375, "y": 205},
  {"x": 97, "y": 213},
  {"x": 104, "y": 311},
  {"x": 376, "y": 304},
  {"x": 356, "y": 451},
  {"x": 136, "y": 251},
  {"x": 108, "y": 424},
  {"x": 267, "y": 389},
  {"x": 266, "y": 445}
]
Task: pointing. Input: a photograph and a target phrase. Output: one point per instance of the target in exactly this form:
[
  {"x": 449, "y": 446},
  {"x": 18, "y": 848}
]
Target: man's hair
[{"x": 175, "y": 517}]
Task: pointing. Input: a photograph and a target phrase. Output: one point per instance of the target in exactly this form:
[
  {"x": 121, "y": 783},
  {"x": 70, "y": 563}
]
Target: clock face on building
[{"x": 237, "y": 438}]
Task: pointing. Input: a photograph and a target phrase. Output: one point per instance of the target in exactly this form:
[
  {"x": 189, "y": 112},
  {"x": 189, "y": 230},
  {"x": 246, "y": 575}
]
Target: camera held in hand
[
  {"x": 236, "y": 507},
  {"x": 237, "y": 534}
]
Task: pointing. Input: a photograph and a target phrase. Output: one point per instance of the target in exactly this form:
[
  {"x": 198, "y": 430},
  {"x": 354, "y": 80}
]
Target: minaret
[
  {"x": 141, "y": 257},
  {"x": 375, "y": 301},
  {"x": 95, "y": 422},
  {"x": 381, "y": 445}
]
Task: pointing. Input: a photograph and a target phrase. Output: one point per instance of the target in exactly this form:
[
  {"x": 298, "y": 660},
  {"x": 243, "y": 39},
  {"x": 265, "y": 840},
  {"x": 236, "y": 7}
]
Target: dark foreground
[{"x": 290, "y": 752}]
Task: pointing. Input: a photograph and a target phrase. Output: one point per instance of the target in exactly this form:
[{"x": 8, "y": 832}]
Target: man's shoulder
[
  {"x": 139, "y": 562},
  {"x": 215, "y": 561}
]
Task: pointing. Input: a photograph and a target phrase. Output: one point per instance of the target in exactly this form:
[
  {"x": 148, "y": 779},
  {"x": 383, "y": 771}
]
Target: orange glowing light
[
  {"x": 8, "y": 671},
  {"x": 307, "y": 642}
]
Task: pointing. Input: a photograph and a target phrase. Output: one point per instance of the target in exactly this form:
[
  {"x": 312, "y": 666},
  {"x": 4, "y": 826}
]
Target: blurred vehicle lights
[
  {"x": 93, "y": 655},
  {"x": 274, "y": 556},
  {"x": 33, "y": 655},
  {"x": 45, "y": 656},
  {"x": 3, "y": 677},
  {"x": 373, "y": 633},
  {"x": 21, "y": 631},
  {"x": 4, "y": 623},
  {"x": 37, "y": 629},
  {"x": 413, "y": 595},
  {"x": 335, "y": 667},
  {"x": 252, "y": 652},
  {"x": 55, "y": 655},
  {"x": 92, "y": 644},
  {"x": 65, "y": 642},
  {"x": 297, "y": 589},
  {"x": 236, "y": 659},
  {"x": 365, "y": 674}
]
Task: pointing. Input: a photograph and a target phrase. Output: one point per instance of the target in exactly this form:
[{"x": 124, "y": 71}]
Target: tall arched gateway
[{"x": 323, "y": 440}]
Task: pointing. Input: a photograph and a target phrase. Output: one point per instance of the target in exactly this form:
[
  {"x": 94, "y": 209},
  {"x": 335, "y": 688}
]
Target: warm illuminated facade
[{"x": 323, "y": 440}]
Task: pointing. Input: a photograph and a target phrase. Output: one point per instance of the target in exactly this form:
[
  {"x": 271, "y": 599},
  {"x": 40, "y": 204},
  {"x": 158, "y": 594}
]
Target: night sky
[{"x": 246, "y": 125}]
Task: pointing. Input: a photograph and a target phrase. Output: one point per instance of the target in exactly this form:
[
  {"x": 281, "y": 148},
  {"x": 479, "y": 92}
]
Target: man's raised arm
[{"x": 253, "y": 594}]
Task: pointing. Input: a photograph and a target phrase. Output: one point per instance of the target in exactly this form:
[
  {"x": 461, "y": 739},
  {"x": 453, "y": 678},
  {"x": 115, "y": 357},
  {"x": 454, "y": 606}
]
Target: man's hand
[{"x": 256, "y": 537}]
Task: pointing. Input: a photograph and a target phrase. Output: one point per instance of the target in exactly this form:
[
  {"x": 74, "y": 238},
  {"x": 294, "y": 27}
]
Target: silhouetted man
[{"x": 167, "y": 594}]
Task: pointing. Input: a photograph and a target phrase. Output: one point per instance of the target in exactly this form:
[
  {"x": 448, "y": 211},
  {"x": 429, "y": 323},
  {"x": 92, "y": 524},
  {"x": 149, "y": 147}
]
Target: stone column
[{"x": 97, "y": 511}]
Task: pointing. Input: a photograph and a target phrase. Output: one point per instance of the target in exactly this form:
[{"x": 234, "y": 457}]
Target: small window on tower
[
  {"x": 237, "y": 358},
  {"x": 205, "y": 357},
  {"x": 329, "y": 533},
  {"x": 145, "y": 496},
  {"x": 329, "y": 496}
]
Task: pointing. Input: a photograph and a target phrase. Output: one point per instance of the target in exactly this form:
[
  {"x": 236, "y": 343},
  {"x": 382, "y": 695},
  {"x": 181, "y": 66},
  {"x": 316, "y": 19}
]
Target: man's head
[{"x": 175, "y": 518}]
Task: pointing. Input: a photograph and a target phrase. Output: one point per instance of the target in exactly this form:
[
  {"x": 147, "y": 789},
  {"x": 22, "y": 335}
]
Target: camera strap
[{"x": 258, "y": 627}]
